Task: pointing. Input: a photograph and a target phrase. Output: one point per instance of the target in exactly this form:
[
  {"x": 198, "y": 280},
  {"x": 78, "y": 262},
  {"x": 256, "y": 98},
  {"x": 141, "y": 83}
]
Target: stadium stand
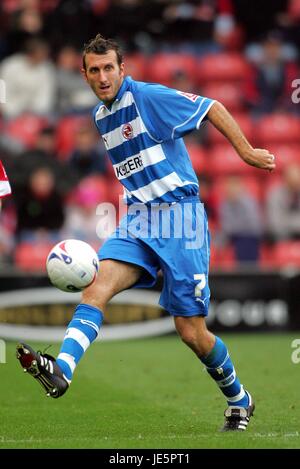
[
  {"x": 25, "y": 129},
  {"x": 164, "y": 67},
  {"x": 278, "y": 128},
  {"x": 245, "y": 122},
  {"x": 66, "y": 130},
  {"x": 31, "y": 257},
  {"x": 199, "y": 157},
  {"x": 228, "y": 93},
  {"x": 286, "y": 254},
  {"x": 223, "y": 161},
  {"x": 136, "y": 66},
  {"x": 222, "y": 67},
  {"x": 286, "y": 154}
]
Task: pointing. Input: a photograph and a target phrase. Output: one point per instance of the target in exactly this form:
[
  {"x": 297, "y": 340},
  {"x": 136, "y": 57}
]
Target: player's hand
[{"x": 260, "y": 159}]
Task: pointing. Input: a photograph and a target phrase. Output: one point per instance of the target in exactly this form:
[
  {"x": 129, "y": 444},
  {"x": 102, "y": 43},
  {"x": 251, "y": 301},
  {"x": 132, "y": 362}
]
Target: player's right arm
[{"x": 227, "y": 125}]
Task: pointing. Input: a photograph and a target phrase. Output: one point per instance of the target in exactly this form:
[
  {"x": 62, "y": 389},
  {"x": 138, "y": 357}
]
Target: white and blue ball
[{"x": 72, "y": 265}]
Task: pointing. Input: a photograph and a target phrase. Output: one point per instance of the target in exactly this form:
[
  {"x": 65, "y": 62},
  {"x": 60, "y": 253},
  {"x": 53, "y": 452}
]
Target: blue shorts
[{"x": 173, "y": 238}]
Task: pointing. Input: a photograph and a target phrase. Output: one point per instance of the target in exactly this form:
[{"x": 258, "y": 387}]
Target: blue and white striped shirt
[{"x": 143, "y": 131}]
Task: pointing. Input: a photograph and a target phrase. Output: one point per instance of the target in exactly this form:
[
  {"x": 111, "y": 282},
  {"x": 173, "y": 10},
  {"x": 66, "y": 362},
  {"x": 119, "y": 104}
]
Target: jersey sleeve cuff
[{"x": 205, "y": 113}]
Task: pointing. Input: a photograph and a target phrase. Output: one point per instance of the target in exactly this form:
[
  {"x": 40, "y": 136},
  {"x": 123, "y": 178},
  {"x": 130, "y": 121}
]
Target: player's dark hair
[{"x": 100, "y": 45}]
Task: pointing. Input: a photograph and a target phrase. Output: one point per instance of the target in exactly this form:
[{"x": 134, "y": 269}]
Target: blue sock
[
  {"x": 82, "y": 331},
  {"x": 221, "y": 369}
]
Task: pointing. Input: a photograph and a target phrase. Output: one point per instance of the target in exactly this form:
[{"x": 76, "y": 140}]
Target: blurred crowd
[{"x": 223, "y": 49}]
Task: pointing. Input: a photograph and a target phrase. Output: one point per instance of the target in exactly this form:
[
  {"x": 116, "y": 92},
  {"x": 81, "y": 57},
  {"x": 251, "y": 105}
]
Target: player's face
[{"x": 104, "y": 75}]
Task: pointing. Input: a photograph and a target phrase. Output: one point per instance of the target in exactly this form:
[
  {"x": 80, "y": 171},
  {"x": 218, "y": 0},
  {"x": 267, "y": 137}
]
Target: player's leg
[
  {"x": 114, "y": 277},
  {"x": 56, "y": 375},
  {"x": 214, "y": 354},
  {"x": 186, "y": 295},
  {"x": 125, "y": 262},
  {"x": 194, "y": 333}
]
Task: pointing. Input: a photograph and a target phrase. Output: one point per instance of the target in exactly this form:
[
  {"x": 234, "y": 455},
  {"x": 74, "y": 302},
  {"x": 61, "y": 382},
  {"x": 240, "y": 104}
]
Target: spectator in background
[
  {"x": 89, "y": 154},
  {"x": 283, "y": 206},
  {"x": 228, "y": 34},
  {"x": 133, "y": 20},
  {"x": 30, "y": 81},
  {"x": 269, "y": 88},
  {"x": 24, "y": 23},
  {"x": 289, "y": 22},
  {"x": 82, "y": 221},
  {"x": 40, "y": 208},
  {"x": 72, "y": 94},
  {"x": 182, "y": 81},
  {"x": 71, "y": 22},
  {"x": 43, "y": 155},
  {"x": 241, "y": 221},
  {"x": 190, "y": 25}
]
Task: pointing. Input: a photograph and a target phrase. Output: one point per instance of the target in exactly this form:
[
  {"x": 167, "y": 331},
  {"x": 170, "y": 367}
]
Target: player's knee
[
  {"x": 188, "y": 336},
  {"x": 97, "y": 295},
  {"x": 200, "y": 341}
]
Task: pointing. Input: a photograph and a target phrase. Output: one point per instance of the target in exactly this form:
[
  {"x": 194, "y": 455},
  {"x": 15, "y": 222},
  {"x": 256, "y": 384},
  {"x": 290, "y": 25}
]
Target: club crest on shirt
[{"x": 127, "y": 131}]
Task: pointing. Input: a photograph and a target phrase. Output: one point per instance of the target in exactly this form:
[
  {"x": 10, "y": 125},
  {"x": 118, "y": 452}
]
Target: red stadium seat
[
  {"x": 222, "y": 258},
  {"x": 198, "y": 157},
  {"x": 164, "y": 66},
  {"x": 266, "y": 256},
  {"x": 25, "y": 129},
  {"x": 244, "y": 121},
  {"x": 294, "y": 10},
  {"x": 287, "y": 254},
  {"x": 213, "y": 263},
  {"x": 251, "y": 185},
  {"x": 10, "y": 6},
  {"x": 136, "y": 66},
  {"x": 223, "y": 160},
  {"x": 222, "y": 67},
  {"x": 66, "y": 130},
  {"x": 99, "y": 7},
  {"x": 227, "y": 93},
  {"x": 116, "y": 191},
  {"x": 278, "y": 128},
  {"x": 32, "y": 256}
]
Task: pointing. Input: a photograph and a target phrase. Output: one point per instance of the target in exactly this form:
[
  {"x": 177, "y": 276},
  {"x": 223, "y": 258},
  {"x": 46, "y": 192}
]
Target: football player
[{"x": 143, "y": 126}]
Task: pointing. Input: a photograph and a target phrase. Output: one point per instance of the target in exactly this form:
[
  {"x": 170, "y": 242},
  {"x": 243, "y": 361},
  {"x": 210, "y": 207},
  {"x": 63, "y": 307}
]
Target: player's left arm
[{"x": 227, "y": 125}]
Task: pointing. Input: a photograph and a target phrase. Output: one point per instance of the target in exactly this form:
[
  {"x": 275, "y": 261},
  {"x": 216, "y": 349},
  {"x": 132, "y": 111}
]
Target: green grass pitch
[{"x": 153, "y": 393}]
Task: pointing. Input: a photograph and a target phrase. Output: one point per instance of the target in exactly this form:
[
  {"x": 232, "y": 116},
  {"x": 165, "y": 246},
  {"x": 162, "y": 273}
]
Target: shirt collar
[{"x": 123, "y": 88}]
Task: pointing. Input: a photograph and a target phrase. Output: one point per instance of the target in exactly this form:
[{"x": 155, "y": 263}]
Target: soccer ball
[{"x": 72, "y": 265}]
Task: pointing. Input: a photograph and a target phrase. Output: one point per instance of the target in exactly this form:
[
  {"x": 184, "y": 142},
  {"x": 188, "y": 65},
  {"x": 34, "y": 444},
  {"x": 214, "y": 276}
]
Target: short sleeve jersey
[{"x": 143, "y": 133}]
